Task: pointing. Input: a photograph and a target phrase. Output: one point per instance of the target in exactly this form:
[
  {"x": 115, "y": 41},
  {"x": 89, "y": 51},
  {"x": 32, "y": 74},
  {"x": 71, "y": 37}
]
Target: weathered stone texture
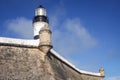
[{"x": 18, "y": 63}]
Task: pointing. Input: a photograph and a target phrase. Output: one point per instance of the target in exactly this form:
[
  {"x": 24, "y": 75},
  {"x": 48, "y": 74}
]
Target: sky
[{"x": 85, "y": 32}]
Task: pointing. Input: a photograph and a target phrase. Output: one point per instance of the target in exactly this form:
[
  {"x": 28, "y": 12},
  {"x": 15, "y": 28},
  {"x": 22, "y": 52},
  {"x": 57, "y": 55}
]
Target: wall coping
[
  {"x": 19, "y": 42},
  {"x": 73, "y": 66}
]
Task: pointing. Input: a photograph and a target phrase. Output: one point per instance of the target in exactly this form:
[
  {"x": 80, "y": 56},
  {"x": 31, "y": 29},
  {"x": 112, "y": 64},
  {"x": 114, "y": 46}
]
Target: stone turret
[{"x": 45, "y": 39}]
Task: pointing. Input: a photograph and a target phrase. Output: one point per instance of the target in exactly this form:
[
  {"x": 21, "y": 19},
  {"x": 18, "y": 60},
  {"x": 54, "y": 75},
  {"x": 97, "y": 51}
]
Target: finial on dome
[{"x": 40, "y": 6}]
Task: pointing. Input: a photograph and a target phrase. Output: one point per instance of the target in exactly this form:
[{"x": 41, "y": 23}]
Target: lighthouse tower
[
  {"x": 39, "y": 21},
  {"x": 42, "y": 31}
]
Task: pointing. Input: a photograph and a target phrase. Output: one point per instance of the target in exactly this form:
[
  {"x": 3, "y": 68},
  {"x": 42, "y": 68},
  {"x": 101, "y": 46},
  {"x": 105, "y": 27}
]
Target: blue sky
[{"x": 86, "y": 32}]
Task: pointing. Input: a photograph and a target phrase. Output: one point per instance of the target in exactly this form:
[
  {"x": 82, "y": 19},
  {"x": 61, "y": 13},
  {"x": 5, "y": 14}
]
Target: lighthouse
[
  {"x": 39, "y": 21},
  {"x": 42, "y": 31}
]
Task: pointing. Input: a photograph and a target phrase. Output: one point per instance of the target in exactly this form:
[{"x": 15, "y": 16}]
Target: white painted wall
[
  {"x": 37, "y": 27},
  {"x": 21, "y": 42}
]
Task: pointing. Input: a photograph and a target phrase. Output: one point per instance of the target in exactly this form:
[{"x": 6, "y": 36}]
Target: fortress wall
[
  {"x": 20, "y": 63},
  {"x": 62, "y": 71}
]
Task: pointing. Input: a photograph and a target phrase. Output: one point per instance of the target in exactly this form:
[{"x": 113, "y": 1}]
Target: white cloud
[
  {"x": 57, "y": 14},
  {"x": 72, "y": 37},
  {"x": 53, "y": 21},
  {"x": 114, "y": 78},
  {"x": 74, "y": 26},
  {"x": 21, "y": 26}
]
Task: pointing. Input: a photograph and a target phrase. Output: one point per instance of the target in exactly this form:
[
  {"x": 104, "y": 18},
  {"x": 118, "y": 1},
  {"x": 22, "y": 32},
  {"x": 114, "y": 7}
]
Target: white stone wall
[
  {"x": 20, "y": 42},
  {"x": 73, "y": 66},
  {"x": 37, "y": 27}
]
